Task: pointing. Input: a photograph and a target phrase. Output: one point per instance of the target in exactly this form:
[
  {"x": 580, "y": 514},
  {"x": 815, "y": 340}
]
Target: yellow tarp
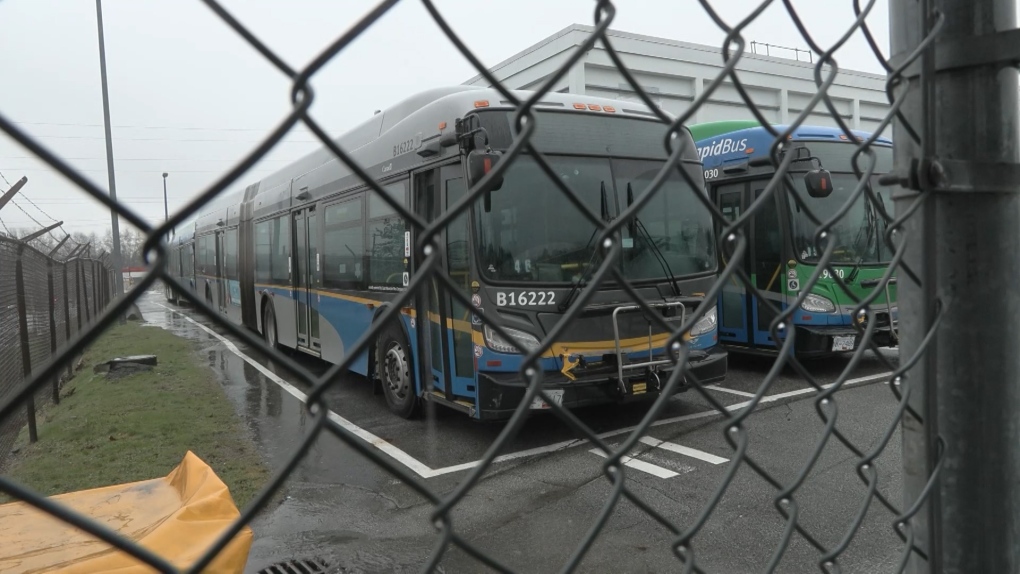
[{"x": 178, "y": 517}]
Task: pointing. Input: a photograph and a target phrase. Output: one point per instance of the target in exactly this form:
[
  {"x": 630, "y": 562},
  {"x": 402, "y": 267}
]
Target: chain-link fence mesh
[
  {"x": 33, "y": 328},
  {"x": 429, "y": 251}
]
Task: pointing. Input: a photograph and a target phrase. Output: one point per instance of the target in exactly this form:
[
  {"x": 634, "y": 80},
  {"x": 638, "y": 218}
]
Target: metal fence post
[
  {"x": 67, "y": 318},
  {"x": 51, "y": 303},
  {"x": 85, "y": 294},
  {"x": 26, "y": 353},
  {"x": 967, "y": 386},
  {"x": 78, "y": 277}
]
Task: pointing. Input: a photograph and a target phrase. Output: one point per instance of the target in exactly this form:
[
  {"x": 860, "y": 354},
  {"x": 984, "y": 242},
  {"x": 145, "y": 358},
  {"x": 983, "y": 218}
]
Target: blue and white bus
[
  {"x": 782, "y": 250},
  {"x": 310, "y": 257}
]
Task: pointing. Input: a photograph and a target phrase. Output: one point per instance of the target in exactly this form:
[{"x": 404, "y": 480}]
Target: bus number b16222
[{"x": 525, "y": 298}]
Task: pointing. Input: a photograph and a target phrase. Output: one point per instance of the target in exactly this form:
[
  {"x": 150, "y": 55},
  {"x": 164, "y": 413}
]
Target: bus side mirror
[
  {"x": 818, "y": 183},
  {"x": 480, "y": 163}
]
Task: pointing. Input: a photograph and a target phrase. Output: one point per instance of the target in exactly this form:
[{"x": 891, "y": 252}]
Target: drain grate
[{"x": 302, "y": 566}]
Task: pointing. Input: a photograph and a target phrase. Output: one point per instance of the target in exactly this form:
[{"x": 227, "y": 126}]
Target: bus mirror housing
[
  {"x": 479, "y": 163},
  {"x": 818, "y": 183}
]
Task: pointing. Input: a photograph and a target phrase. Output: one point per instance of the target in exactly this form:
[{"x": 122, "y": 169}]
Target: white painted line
[
  {"x": 514, "y": 455},
  {"x": 731, "y": 391},
  {"x": 641, "y": 465},
  {"x": 684, "y": 450},
  {"x": 394, "y": 452},
  {"x": 424, "y": 471},
  {"x": 660, "y": 422}
]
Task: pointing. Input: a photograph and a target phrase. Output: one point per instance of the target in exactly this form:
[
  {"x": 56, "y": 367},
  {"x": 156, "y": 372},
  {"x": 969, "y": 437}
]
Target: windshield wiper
[
  {"x": 604, "y": 200},
  {"x": 636, "y": 224},
  {"x": 870, "y": 219}
]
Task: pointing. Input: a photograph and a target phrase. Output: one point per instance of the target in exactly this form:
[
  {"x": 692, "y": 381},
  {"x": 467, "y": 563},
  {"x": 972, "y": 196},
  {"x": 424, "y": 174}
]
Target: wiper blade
[
  {"x": 637, "y": 225},
  {"x": 604, "y": 200},
  {"x": 870, "y": 220}
]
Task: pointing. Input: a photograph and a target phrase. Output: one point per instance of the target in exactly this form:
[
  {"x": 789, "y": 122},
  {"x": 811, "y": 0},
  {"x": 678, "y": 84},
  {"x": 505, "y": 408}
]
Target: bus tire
[
  {"x": 395, "y": 372},
  {"x": 269, "y": 327}
]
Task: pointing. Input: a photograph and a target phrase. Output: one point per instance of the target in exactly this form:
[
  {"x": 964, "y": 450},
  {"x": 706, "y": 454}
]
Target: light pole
[
  {"x": 118, "y": 278},
  {"x": 166, "y": 214}
]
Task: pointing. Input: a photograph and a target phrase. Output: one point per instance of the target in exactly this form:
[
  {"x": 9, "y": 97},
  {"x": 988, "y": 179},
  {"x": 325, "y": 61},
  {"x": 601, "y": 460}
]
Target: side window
[
  {"x": 344, "y": 265},
  {"x": 230, "y": 246},
  {"x": 263, "y": 232},
  {"x": 385, "y": 243},
  {"x": 280, "y": 249},
  {"x": 200, "y": 259},
  {"x": 272, "y": 250}
]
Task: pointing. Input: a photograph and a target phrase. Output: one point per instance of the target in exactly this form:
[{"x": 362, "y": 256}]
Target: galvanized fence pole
[
  {"x": 963, "y": 240},
  {"x": 67, "y": 317},
  {"x": 85, "y": 293},
  {"x": 51, "y": 303},
  {"x": 77, "y": 292},
  {"x": 23, "y": 340}
]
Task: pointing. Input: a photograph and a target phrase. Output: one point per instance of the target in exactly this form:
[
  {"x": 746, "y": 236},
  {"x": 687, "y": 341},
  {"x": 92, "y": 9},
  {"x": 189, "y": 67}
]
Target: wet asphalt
[{"x": 534, "y": 507}]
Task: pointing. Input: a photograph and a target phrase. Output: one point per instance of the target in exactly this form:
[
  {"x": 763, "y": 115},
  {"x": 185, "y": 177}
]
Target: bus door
[
  {"x": 306, "y": 268},
  {"x": 734, "y": 304},
  {"x": 768, "y": 276},
  {"x": 449, "y": 333},
  {"x": 221, "y": 273}
]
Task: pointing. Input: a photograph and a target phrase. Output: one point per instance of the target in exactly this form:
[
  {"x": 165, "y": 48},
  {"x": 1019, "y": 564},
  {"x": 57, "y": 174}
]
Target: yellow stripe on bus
[{"x": 631, "y": 345}]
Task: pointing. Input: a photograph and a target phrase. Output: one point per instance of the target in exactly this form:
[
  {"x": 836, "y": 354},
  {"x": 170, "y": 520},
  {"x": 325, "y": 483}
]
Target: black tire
[
  {"x": 269, "y": 327},
  {"x": 395, "y": 370}
]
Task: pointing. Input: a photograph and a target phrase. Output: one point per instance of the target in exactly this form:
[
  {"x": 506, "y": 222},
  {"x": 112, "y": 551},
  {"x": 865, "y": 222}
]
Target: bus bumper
[{"x": 500, "y": 394}]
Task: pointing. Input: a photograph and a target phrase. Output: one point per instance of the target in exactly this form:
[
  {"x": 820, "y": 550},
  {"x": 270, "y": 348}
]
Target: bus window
[
  {"x": 386, "y": 237},
  {"x": 344, "y": 263},
  {"x": 279, "y": 270},
  {"x": 231, "y": 254},
  {"x": 262, "y": 251}
]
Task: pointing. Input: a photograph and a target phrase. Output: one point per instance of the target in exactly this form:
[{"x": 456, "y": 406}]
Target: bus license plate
[
  {"x": 843, "y": 343},
  {"x": 555, "y": 394}
]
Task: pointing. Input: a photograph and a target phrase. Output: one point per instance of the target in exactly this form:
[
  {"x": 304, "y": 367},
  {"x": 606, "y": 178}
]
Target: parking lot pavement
[{"x": 532, "y": 506}]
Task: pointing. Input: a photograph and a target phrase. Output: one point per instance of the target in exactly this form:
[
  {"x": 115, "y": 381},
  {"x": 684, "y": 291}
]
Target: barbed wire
[{"x": 733, "y": 244}]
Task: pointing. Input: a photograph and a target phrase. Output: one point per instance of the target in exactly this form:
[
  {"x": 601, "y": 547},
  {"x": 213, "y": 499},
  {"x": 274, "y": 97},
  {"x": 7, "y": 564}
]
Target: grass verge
[{"x": 115, "y": 430}]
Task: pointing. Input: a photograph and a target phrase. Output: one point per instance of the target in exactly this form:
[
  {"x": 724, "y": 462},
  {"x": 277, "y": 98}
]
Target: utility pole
[
  {"x": 166, "y": 212},
  {"x": 118, "y": 276}
]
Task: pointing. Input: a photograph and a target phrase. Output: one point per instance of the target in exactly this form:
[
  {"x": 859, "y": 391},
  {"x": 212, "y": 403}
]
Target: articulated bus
[
  {"x": 782, "y": 250},
  {"x": 310, "y": 256}
]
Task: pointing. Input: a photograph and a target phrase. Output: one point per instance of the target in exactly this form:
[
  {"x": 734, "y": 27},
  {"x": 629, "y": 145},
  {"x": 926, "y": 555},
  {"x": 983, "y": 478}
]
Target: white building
[{"x": 675, "y": 73}]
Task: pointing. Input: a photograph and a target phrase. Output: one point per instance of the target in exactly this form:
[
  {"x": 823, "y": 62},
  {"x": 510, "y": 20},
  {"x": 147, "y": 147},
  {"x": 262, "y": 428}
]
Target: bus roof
[
  {"x": 727, "y": 141},
  {"x": 372, "y": 141}
]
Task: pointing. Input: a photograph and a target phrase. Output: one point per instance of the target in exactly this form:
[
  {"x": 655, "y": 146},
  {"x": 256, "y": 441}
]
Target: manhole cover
[{"x": 303, "y": 566}]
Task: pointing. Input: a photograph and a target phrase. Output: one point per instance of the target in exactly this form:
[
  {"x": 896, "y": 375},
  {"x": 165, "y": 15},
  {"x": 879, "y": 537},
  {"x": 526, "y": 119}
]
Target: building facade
[{"x": 676, "y": 73}]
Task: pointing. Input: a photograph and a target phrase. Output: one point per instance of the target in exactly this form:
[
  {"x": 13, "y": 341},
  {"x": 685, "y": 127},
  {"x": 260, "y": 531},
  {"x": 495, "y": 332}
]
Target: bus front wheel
[{"x": 393, "y": 365}]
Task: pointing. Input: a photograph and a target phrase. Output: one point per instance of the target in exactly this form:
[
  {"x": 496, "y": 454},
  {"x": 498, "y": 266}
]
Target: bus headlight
[
  {"x": 525, "y": 341},
  {"x": 817, "y": 304},
  {"x": 706, "y": 323}
]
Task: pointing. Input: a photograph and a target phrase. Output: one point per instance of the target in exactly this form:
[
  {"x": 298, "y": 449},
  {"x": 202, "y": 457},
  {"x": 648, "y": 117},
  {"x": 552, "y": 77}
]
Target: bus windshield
[
  {"x": 534, "y": 233},
  {"x": 860, "y": 233}
]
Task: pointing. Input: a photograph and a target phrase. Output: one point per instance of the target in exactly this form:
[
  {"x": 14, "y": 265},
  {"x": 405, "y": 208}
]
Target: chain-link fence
[
  {"x": 934, "y": 258},
  {"x": 44, "y": 304}
]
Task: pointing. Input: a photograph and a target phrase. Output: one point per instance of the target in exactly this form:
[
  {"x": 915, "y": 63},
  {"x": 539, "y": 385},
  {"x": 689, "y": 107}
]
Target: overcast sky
[{"x": 188, "y": 96}]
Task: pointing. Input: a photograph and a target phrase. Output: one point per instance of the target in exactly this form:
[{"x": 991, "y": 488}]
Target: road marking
[
  {"x": 425, "y": 471},
  {"x": 641, "y": 465},
  {"x": 379, "y": 443},
  {"x": 684, "y": 450},
  {"x": 731, "y": 391}
]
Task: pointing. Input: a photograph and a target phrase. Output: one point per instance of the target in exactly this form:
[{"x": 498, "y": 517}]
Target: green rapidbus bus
[
  {"x": 310, "y": 256},
  {"x": 782, "y": 252}
]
